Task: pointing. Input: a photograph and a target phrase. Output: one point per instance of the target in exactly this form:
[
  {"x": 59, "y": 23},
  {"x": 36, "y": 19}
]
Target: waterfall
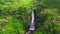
[{"x": 32, "y": 24}]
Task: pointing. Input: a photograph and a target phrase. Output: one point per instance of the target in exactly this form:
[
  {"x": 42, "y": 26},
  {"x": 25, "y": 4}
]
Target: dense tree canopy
[
  {"x": 15, "y": 18},
  {"x": 15, "y": 4}
]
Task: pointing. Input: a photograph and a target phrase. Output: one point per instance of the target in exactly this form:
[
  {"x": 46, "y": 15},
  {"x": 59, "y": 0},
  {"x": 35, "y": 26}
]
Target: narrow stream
[{"x": 32, "y": 25}]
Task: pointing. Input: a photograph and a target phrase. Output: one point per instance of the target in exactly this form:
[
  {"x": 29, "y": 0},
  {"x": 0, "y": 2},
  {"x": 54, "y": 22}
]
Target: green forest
[{"x": 15, "y": 16}]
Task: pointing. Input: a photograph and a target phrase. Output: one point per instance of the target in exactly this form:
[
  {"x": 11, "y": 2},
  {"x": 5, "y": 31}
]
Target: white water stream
[{"x": 32, "y": 24}]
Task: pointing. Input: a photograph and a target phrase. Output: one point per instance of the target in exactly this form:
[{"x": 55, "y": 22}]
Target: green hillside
[{"x": 15, "y": 16}]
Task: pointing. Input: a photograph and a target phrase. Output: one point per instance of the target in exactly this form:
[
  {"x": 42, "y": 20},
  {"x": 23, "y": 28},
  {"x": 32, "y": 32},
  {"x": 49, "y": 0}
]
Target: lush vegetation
[{"x": 15, "y": 18}]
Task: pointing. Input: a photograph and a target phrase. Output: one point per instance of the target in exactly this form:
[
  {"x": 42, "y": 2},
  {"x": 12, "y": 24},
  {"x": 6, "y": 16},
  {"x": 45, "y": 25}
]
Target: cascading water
[{"x": 32, "y": 25}]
